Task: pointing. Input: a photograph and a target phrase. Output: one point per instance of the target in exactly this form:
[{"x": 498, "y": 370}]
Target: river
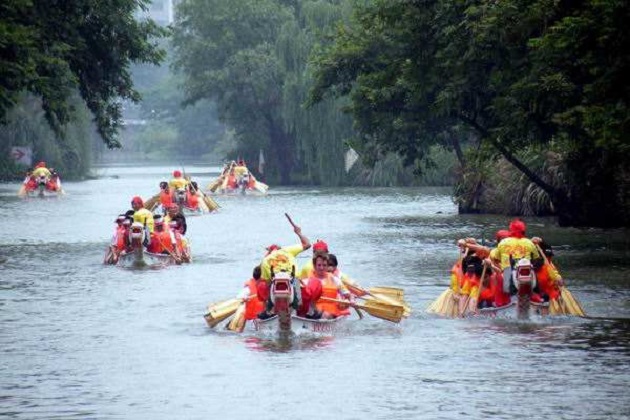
[{"x": 80, "y": 340}]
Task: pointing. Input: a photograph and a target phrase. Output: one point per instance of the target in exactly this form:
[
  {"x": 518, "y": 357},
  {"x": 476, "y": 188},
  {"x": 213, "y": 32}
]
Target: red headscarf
[
  {"x": 320, "y": 246},
  {"x": 517, "y": 228},
  {"x": 137, "y": 200},
  {"x": 177, "y": 174}
]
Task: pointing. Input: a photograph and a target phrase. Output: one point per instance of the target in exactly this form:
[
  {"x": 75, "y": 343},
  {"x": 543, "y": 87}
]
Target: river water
[{"x": 82, "y": 340}]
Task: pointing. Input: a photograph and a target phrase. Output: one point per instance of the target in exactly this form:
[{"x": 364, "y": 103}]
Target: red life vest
[{"x": 254, "y": 305}]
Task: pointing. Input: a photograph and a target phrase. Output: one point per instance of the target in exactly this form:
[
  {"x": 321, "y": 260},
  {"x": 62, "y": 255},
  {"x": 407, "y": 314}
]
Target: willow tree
[{"x": 514, "y": 74}]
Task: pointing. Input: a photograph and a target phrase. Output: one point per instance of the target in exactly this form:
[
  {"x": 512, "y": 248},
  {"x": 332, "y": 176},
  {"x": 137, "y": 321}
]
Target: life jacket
[
  {"x": 496, "y": 285},
  {"x": 165, "y": 199},
  {"x": 193, "y": 200},
  {"x": 470, "y": 284},
  {"x": 144, "y": 217},
  {"x": 254, "y": 305},
  {"x": 330, "y": 290},
  {"x": 231, "y": 181},
  {"x": 122, "y": 235},
  {"x": 546, "y": 284},
  {"x": 251, "y": 184}
]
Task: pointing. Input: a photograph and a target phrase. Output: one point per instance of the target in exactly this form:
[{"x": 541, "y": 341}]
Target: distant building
[{"x": 161, "y": 11}]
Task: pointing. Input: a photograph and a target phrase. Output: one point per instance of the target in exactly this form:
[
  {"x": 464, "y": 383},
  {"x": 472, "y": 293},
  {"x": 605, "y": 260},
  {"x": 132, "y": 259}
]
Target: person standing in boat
[{"x": 281, "y": 259}]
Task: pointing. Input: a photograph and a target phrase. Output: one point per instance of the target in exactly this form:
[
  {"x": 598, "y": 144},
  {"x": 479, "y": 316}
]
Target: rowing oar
[
  {"x": 290, "y": 220},
  {"x": 378, "y": 309},
  {"x": 220, "y": 311},
  {"x": 178, "y": 259},
  {"x": 394, "y": 299},
  {"x": 152, "y": 202},
  {"x": 568, "y": 304},
  {"x": 237, "y": 324}
]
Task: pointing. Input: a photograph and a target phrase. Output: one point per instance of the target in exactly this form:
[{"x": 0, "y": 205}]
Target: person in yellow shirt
[
  {"x": 512, "y": 249},
  {"x": 178, "y": 181},
  {"x": 41, "y": 170},
  {"x": 307, "y": 269},
  {"x": 143, "y": 216},
  {"x": 281, "y": 259}
]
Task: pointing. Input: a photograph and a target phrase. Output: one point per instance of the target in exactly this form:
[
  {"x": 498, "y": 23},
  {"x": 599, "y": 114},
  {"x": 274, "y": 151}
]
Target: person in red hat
[
  {"x": 281, "y": 259},
  {"x": 178, "y": 181},
  {"x": 307, "y": 269},
  {"x": 512, "y": 249},
  {"x": 142, "y": 215},
  {"x": 41, "y": 171}
]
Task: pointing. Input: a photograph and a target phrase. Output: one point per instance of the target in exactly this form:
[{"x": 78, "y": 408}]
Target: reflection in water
[{"x": 284, "y": 343}]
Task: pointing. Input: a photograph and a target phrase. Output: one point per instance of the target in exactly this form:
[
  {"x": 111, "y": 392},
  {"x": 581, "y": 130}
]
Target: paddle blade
[
  {"x": 212, "y": 205},
  {"x": 261, "y": 187},
  {"x": 392, "y": 292},
  {"x": 152, "y": 202},
  {"x": 388, "y": 312},
  {"x": 221, "y": 311},
  {"x": 571, "y": 305},
  {"x": 237, "y": 324}
]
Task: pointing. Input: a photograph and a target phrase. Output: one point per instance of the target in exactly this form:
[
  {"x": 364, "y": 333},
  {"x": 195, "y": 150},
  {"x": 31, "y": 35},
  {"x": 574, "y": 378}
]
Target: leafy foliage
[
  {"x": 515, "y": 74},
  {"x": 53, "y": 48}
]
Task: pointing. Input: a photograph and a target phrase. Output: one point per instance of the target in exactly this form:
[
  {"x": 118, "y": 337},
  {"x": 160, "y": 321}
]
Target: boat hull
[{"x": 299, "y": 325}]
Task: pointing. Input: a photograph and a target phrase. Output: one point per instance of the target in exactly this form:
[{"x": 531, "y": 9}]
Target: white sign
[
  {"x": 22, "y": 155},
  {"x": 351, "y": 158}
]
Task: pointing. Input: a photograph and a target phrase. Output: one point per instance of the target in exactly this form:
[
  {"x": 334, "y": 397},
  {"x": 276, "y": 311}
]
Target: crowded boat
[
  {"x": 236, "y": 178},
  {"x": 516, "y": 277},
  {"x": 185, "y": 193},
  {"x": 314, "y": 299},
  {"x": 143, "y": 238},
  {"x": 41, "y": 181}
]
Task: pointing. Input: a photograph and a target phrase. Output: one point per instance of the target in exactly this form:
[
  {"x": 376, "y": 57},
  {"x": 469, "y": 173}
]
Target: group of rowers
[
  {"x": 320, "y": 277},
  {"x": 234, "y": 175},
  {"x": 180, "y": 190},
  {"x": 41, "y": 174},
  {"x": 163, "y": 233},
  {"x": 482, "y": 277}
]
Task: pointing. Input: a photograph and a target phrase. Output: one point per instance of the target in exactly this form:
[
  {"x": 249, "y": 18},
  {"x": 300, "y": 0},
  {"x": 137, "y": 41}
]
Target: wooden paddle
[
  {"x": 392, "y": 299},
  {"x": 152, "y": 202},
  {"x": 237, "y": 324},
  {"x": 567, "y": 304},
  {"x": 221, "y": 311},
  {"x": 386, "y": 311}
]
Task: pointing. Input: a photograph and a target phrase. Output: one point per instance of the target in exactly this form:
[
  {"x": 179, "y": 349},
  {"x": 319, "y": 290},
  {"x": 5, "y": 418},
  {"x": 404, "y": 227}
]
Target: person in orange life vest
[
  {"x": 470, "y": 286},
  {"x": 495, "y": 274},
  {"x": 163, "y": 240},
  {"x": 249, "y": 295},
  {"x": 165, "y": 196},
  {"x": 281, "y": 259},
  {"x": 331, "y": 287},
  {"x": 512, "y": 249},
  {"x": 548, "y": 278},
  {"x": 319, "y": 246},
  {"x": 192, "y": 199},
  {"x": 120, "y": 239}
]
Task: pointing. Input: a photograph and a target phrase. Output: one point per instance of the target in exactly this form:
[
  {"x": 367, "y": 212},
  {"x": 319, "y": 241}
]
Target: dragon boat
[
  {"x": 41, "y": 186},
  {"x": 521, "y": 306},
  {"x": 136, "y": 255}
]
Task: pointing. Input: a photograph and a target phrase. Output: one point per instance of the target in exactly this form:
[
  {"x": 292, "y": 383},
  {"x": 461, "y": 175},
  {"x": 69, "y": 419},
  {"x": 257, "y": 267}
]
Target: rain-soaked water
[{"x": 86, "y": 341}]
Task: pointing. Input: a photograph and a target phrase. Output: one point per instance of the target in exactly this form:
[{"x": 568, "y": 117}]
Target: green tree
[
  {"x": 512, "y": 74},
  {"x": 55, "y": 48}
]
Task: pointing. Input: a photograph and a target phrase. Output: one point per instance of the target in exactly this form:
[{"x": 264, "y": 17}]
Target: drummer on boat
[{"x": 282, "y": 259}]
